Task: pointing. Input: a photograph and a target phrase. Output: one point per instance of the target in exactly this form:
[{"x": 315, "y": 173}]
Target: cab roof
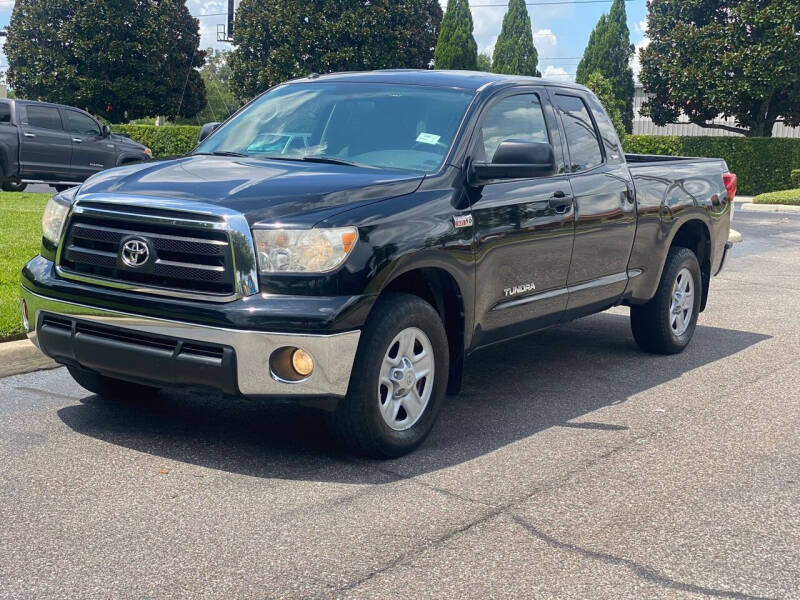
[{"x": 467, "y": 80}]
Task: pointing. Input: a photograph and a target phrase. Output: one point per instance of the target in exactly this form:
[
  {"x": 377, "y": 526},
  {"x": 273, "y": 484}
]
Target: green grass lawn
[
  {"x": 783, "y": 197},
  {"x": 20, "y": 240}
]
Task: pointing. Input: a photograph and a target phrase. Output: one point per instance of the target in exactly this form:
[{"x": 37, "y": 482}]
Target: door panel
[
  {"x": 605, "y": 213},
  {"x": 45, "y": 148},
  {"x": 605, "y": 225},
  {"x": 91, "y": 152},
  {"x": 523, "y": 244}
]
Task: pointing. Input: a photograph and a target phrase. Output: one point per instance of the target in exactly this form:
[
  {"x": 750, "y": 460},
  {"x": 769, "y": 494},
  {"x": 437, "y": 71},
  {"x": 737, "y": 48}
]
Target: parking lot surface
[{"x": 571, "y": 466}]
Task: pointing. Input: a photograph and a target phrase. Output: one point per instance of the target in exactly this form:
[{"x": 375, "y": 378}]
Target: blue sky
[{"x": 560, "y": 30}]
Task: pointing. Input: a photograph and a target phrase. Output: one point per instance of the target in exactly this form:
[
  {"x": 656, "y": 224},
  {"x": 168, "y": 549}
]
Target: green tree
[
  {"x": 456, "y": 48},
  {"x": 216, "y": 74},
  {"x": 485, "y": 62},
  {"x": 737, "y": 58},
  {"x": 604, "y": 91},
  {"x": 276, "y": 40},
  {"x": 514, "y": 52},
  {"x": 609, "y": 51},
  {"x": 116, "y": 58}
]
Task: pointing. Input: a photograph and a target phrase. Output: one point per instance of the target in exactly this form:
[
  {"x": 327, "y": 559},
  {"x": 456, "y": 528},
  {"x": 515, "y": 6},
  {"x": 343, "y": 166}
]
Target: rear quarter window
[
  {"x": 5, "y": 112},
  {"x": 608, "y": 134}
]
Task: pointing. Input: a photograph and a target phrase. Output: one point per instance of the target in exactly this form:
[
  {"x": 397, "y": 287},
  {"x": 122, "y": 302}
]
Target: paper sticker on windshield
[{"x": 428, "y": 138}]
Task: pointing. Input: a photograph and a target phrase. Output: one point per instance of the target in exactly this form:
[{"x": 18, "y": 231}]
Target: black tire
[
  {"x": 652, "y": 322},
  {"x": 108, "y": 387},
  {"x": 14, "y": 185},
  {"x": 61, "y": 188},
  {"x": 357, "y": 424}
]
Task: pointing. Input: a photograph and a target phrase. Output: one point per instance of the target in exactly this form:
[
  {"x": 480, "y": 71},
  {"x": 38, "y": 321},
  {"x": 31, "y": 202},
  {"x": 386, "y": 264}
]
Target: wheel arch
[
  {"x": 695, "y": 235},
  {"x": 437, "y": 286},
  {"x": 128, "y": 159}
]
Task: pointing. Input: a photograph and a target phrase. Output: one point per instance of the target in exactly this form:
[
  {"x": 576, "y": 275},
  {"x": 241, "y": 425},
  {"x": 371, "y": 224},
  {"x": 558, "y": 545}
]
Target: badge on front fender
[{"x": 462, "y": 221}]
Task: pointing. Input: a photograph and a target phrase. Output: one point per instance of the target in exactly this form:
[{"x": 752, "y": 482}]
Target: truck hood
[{"x": 265, "y": 191}]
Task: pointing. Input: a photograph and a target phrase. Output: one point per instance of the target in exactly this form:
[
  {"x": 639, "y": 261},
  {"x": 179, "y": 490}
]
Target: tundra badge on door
[{"x": 519, "y": 289}]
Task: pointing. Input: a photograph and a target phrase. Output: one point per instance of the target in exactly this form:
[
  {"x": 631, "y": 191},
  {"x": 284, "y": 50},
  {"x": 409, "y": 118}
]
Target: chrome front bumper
[{"x": 333, "y": 354}]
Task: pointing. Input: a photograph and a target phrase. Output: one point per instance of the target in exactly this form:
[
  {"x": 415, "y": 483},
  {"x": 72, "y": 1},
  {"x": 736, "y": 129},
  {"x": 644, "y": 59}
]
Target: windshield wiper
[
  {"x": 330, "y": 161},
  {"x": 222, "y": 153},
  {"x": 317, "y": 159}
]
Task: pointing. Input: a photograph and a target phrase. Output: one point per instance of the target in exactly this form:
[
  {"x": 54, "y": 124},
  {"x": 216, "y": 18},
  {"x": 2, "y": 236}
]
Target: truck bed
[{"x": 642, "y": 159}]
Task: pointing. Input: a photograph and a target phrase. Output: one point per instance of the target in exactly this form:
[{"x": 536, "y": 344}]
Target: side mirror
[
  {"x": 206, "y": 130},
  {"x": 517, "y": 159},
  {"x": 106, "y": 131}
]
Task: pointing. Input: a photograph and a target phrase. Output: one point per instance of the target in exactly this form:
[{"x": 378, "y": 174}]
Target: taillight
[{"x": 729, "y": 179}]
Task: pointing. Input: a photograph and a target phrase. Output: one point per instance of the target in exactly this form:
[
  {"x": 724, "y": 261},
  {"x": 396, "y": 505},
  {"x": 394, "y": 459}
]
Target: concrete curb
[
  {"x": 750, "y": 207},
  {"x": 21, "y": 357}
]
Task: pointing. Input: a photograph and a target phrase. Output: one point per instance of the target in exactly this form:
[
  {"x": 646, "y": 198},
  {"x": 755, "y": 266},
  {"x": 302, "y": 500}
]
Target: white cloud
[
  {"x": 546, "y": 41},
  {"x": 641, "y": 27},
  {"x": 555, "y": 73},
  {"x": 636, "y": 64},
  {"x": 6, "y": 5}
]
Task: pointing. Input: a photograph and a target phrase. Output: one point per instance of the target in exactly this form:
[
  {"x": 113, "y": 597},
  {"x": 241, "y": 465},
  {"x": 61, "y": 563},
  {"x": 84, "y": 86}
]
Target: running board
[{"x": 41, "y": 181}]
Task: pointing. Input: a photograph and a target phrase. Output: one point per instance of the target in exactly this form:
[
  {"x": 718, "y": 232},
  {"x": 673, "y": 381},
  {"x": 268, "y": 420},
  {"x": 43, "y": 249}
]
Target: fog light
[
  {"x": 23, "y": 307},
  {"x": 302, "y": 362}
]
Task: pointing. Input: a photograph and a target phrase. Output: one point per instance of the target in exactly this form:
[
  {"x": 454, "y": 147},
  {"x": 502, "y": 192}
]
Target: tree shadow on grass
[{"x": 511, "y": 391}]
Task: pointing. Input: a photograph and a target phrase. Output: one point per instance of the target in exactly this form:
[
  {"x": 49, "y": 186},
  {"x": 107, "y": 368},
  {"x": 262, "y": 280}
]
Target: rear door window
[
  {"x": 582, "y": 139},
  {"x": 44, "y": 117}
]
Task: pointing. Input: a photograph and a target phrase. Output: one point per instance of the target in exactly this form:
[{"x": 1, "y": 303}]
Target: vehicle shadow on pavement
[{"x": 510, "y": 392}]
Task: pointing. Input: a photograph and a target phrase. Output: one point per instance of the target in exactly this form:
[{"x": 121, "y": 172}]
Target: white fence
[{"x": 644, "y": 126}]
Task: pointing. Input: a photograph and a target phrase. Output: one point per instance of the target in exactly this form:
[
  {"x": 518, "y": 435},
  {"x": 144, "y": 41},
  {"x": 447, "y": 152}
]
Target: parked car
[
  {"x": 429, "y": 214},
  {"x": 57, "y": 145}
]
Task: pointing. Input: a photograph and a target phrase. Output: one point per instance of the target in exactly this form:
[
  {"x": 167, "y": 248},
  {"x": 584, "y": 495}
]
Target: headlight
[
  {"x": 303, "y": 251},
  {"x": 53, "y": 218}
]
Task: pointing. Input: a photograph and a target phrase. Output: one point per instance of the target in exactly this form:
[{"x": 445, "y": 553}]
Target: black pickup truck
[
  {"x": 57, "y": 145},
  {"x": 346, "y": 240}
]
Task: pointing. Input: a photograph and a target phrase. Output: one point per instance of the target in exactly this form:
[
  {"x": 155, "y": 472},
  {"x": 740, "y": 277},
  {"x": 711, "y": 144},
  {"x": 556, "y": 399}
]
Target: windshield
[{"x": 368, "y": 124}]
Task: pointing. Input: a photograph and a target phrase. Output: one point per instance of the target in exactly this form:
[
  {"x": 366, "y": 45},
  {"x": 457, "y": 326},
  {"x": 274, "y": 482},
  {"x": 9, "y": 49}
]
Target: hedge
[
  {"x": 791, "y": 197},
  {"x": 761, "y": 164},
  {"x": 171, "y": 140}
]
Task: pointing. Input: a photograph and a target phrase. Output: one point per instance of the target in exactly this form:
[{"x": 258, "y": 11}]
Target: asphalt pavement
[{"x": 571, "y": 466}]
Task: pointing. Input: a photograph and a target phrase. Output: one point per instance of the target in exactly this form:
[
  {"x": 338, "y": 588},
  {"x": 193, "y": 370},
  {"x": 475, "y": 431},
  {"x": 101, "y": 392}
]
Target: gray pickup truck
[{"x": 58, "y": 145}]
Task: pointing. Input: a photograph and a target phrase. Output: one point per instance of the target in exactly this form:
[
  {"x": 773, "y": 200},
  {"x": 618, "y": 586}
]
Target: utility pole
[{"x": 225, "y": 32}]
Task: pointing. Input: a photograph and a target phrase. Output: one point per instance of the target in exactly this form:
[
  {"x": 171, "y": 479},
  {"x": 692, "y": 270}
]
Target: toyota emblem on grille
[{"x": 135, "y": 252}]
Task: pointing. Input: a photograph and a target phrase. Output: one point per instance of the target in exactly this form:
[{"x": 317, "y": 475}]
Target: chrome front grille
[{"x": 189, "y": 254}]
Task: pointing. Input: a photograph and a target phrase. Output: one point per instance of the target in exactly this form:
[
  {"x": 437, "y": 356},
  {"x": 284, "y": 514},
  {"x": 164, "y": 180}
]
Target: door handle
[
  {"x": 560, "y": 201},
  {"x": 29, "y": 134},
  {"x": 78, "y": 140}
]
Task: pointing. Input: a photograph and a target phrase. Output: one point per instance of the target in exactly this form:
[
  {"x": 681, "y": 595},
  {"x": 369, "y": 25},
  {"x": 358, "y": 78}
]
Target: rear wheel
[
  {"x": 398, "y": 382},
  {"x": 14, "y": 185},
  {"x": 108, "y": 387},
  {"x": 666, "y": 324}
]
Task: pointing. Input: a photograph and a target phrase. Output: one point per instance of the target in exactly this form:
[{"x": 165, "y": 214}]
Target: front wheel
[
  {"x": 666, "y": 324},
  {"x": 398, "y": 382},
  {"x": 14, "y": 185}
]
